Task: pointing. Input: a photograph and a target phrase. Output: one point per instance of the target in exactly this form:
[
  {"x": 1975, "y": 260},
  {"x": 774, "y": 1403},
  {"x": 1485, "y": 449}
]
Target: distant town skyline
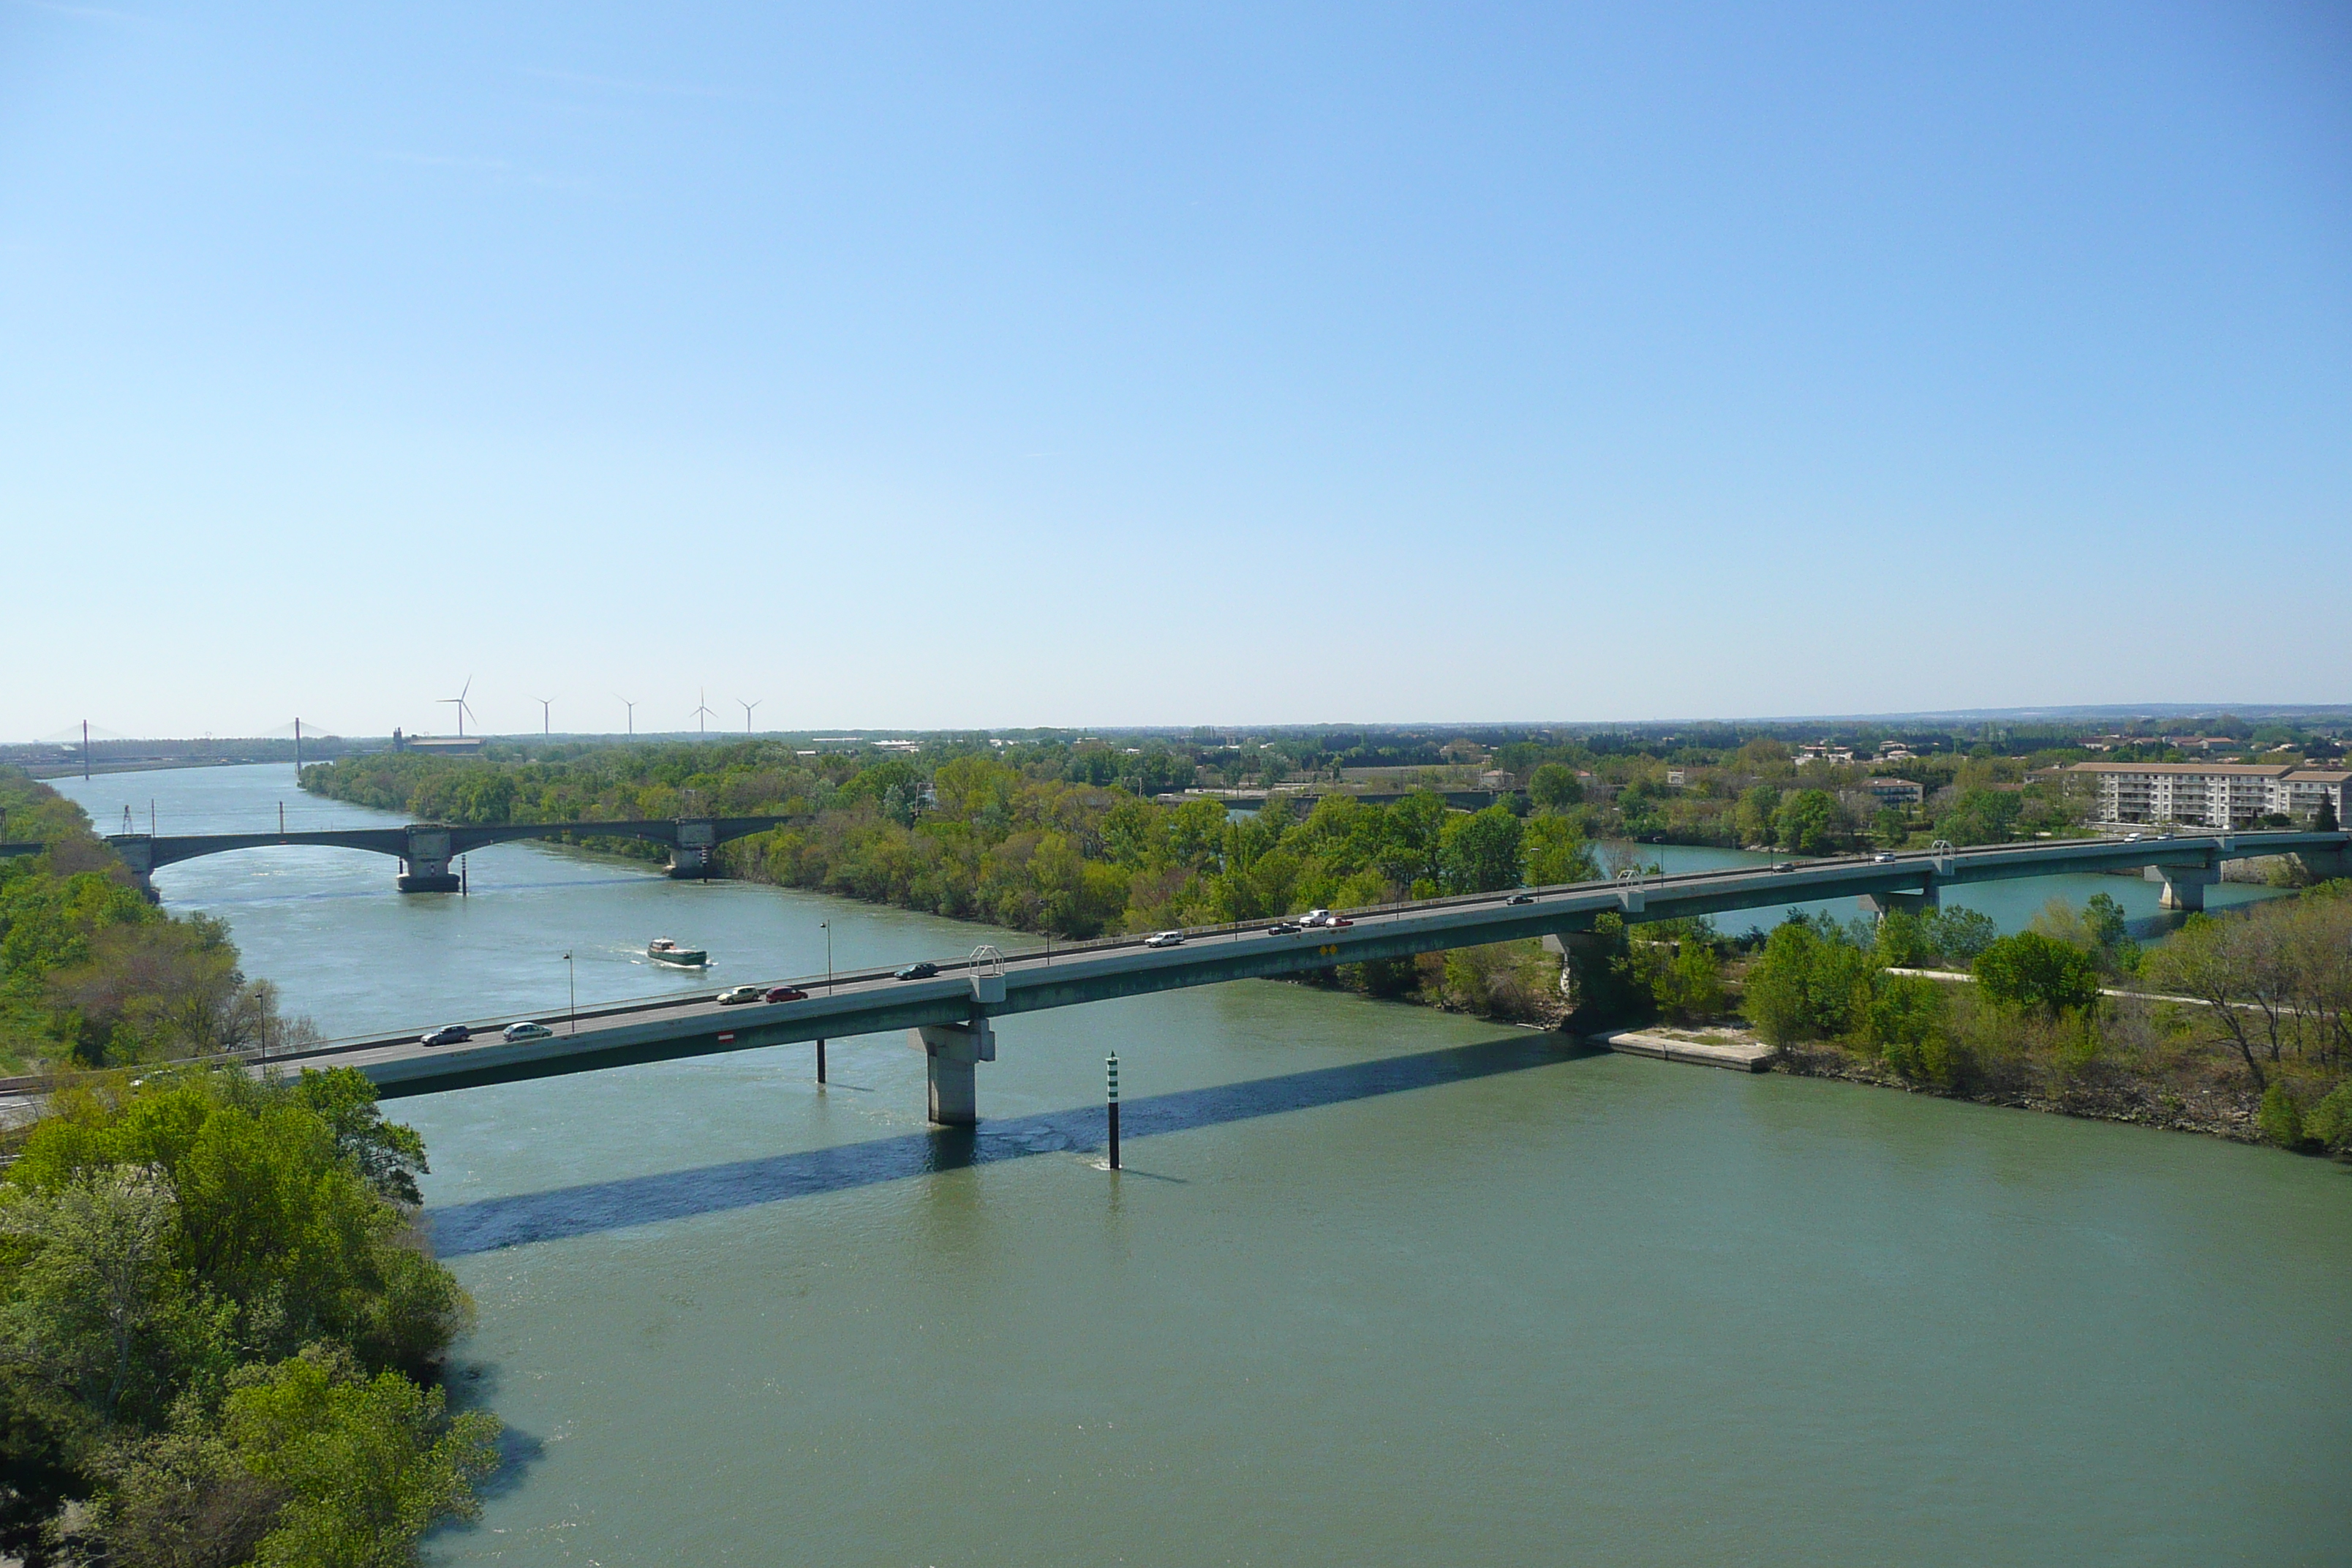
[{"x": 1076, "y": 367}]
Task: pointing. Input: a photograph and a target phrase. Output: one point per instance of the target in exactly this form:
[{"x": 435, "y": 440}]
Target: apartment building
[
  {"x": 1901, "y": 794},
  {"x": 2213, "y": 794}
]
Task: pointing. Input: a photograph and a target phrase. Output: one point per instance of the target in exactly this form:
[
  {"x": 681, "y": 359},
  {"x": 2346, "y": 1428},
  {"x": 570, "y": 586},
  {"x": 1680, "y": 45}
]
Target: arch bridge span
[{"x": 425, "y": 849}]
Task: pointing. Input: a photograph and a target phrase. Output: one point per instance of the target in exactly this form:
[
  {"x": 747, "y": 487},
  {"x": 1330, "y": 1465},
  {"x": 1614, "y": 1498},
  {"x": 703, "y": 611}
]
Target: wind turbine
[
  {"x": 546, "y": 707},
  {"x": 747, "y": 708},
  {"x": 633, "y": 714},
  {"x": 462, "y": 708},
  {"x": 702, "y": 710}
]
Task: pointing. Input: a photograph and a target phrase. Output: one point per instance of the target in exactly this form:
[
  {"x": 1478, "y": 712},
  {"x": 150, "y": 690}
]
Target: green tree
[
  {"x": 1755, "y": 813},
  {"x": 1810, "y": 984},
  {"x": 1809, "y": 822},
  {"x": 1554, "y": 786},
  {"x": 1959, "y": 935},
  {"x": 1907, "y": 1024},
  {"x": 1480, "y": 852},
  {"x": 1556, "y": 853},
  {"x": 2037, "y": 973},
  {"x": 368, "y": 1464}
]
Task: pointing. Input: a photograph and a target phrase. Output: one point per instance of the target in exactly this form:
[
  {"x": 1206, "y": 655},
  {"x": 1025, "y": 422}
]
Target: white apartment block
[{"x": 2213, "y": 794}]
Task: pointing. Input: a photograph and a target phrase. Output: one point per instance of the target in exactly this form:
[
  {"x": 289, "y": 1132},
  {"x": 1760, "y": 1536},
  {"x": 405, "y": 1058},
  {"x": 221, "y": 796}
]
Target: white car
[
  {"x": 527, "y": 1031},
  {"x": 1316, "y": 920},
  {"x": 1165, "y": 939},
  {"x": 735, "y": 994}
]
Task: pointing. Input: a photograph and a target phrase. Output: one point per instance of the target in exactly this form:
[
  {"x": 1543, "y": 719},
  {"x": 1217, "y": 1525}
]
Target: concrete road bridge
[
  {"x": 952, "y": 1015},
  {"x": 425, "y": 849}
]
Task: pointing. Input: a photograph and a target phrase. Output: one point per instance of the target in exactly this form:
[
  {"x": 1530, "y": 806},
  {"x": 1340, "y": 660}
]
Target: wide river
[{"x": 1379, "y": 1285}]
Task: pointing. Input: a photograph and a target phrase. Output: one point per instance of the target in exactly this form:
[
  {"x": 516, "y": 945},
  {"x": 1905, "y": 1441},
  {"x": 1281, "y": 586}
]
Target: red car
[{"x": 787, "y": 994}]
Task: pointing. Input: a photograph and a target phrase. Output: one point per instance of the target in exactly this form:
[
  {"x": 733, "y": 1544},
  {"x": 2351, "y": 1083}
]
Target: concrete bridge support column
[
  {"x": 950, "y": 1050},
  {"x": 2184, "y": 885},
  {"x": 689, "y": 855},
  {"x": 425, "y": 868},
  {"x": 1884, "y": 904}
]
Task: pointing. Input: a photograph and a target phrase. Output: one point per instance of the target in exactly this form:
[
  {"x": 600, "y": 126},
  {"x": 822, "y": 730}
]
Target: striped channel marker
[{"x": 1111, "y": 1087}]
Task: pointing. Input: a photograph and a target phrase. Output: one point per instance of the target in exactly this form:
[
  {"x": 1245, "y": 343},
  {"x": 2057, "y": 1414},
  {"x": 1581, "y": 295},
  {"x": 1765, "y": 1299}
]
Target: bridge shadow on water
[{"x": 463, "y": 1229}]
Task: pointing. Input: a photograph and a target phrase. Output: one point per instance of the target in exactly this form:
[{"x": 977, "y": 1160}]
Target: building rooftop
[{"x": 2202, "y": 770}]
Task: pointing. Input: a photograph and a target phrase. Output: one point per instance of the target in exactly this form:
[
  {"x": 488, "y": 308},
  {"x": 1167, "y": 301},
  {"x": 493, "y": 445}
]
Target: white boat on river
[{"x": 662, "y": 950}]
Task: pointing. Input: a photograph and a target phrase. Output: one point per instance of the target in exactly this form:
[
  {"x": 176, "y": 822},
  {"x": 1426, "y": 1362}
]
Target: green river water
[{"x": 1379, "y": 1285}]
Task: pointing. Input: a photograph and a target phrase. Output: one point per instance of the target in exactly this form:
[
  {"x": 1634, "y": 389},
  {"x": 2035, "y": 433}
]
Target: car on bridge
[
  {"x": 1522, "y": 898},
  {"x": 786, "y": 993},
  {"x": 446, "y": 1034},
  {"x": 735, "y": 994},
  {"x": 1284, "y": 928},
  {"x": 526, "y": 1030},
  {"x": 920, "y": 971},
  {"x": 1164, "y": 939}
]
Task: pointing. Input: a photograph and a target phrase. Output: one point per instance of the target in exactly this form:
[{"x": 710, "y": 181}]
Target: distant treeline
[{"x": 94, "y": 974}]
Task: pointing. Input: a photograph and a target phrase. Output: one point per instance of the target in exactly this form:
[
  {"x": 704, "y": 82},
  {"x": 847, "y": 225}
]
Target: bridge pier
[
  {"x": 690, "y": 852},
  {"x": 2184, "y": 885},
  {"x": 424, "y": 862},
  {"x": 949, "y": 1052},
  {"x": 1909, "y": 902}
]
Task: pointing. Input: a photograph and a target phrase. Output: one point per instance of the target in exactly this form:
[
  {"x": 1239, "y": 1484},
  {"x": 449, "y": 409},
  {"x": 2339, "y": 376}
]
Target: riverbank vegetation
[
  {"x": 2237, "y": 1024},
  {"x": 94, "y": 974},
  {"x": 220, "y": 1334}
]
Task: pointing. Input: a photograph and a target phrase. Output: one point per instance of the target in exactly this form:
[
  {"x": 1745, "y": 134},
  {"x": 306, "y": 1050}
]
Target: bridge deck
[{"x": 871, "y": 1002}]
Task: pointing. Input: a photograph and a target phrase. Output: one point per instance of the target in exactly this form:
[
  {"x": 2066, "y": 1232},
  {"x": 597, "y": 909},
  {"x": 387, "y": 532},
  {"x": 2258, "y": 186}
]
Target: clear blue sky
[{"x": 1151, "y": 364}]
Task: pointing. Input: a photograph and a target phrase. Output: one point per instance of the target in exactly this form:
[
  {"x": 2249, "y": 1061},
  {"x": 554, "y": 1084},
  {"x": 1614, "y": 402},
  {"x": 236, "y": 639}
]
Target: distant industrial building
[
  {"x": 438, "y": 745},
  {"x": 2214, "y": 795}
]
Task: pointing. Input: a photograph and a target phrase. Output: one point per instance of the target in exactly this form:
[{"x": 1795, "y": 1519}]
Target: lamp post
[
  {"x": 571, "y": 979},
  {"x": 826, "y": 927}
]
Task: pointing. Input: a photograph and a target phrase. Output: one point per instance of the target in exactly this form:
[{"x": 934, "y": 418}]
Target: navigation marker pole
[
  {"x": 461, "y": 874},
  {"x": 820, "y": 1061},
  {"x": 1111, "y": 1087}
]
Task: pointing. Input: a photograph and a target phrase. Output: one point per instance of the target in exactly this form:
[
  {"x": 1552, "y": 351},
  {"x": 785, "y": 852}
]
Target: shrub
[
  {"x": 2280, "y": 1119},
  {"x": 2329, "y": 1124}
]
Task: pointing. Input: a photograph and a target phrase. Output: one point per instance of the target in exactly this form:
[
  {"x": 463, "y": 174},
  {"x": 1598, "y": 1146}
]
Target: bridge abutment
[
  {"x": 950, "y": 1052},
  {"x": 137, "y": 851},
  {"x": 425, "y": 863},
  {"x": 2184, "y": 885}
]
